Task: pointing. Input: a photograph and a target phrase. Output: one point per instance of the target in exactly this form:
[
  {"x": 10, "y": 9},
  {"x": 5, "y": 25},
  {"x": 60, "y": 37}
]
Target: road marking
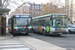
[{"x": 12, "y": 44}]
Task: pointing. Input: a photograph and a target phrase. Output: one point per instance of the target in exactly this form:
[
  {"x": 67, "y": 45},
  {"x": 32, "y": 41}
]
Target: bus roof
[
  {"x": 21, "y": 14},
  {"x": 46, "y": 15},
  {"x": 41, "y": 16},
  {"x": 18, "y": 14}
]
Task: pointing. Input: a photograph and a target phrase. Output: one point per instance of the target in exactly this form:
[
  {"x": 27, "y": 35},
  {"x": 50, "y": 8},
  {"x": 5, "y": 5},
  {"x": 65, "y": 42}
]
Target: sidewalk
[
  {"x": 7, "y": 36},
  {"x": 9, "y": 42},
  {"x": 39, "y": 44}
]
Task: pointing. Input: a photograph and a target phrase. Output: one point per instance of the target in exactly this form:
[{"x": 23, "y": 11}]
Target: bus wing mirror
[
  {"x": 50, "y": 18},
  {"x": 68, "y": 19}
]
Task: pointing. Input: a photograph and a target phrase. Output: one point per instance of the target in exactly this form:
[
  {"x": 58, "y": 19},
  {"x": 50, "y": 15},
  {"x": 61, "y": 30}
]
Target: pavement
[
  {"x": 9, "y": 42},
  {"x": 7, "y": 36}
]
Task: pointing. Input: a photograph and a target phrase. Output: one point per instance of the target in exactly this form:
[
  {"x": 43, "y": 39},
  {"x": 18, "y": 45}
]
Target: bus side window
[
  {"x": 8, "y": 21},
  {"x": 32, "y": 22},
  {"x": 14, "y": 21},
  {"x": 43, "y": 22},
  {"x": 50, "y": 22},
  {"x": 39, "y": 23},
  {"x": 35, "y": 23}
]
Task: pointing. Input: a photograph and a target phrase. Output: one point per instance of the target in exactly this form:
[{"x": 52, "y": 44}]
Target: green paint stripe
[
  {"x": 47, "y": 28},
  {"x": 59, "y": 27}
]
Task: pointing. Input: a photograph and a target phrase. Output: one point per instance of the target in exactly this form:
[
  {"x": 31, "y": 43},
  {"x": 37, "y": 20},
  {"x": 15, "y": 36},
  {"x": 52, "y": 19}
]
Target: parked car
[{"x": 71, "y": 28}]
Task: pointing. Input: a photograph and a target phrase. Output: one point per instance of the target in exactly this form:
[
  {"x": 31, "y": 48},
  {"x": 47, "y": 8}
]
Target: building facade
[
  {"x": 28, "y": 8},
  {"x": 70, "y": 10}
]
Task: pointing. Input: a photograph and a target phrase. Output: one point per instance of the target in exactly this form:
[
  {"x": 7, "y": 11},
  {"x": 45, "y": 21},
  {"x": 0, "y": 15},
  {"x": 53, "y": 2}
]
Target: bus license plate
[
  {"x": 59, "y": 33},
  {"x": 23, "y": 32},
  {"x": 62, "y": 29}
]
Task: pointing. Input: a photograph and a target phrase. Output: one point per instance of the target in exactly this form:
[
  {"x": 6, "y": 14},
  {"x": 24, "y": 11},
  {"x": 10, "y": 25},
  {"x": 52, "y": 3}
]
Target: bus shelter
[{"x": 3, "y": 21}]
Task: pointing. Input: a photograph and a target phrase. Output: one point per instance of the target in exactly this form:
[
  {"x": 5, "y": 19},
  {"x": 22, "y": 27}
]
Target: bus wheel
[
  {"x": 44, "y": 33},
  {"x": 26, "y": 33},
  {"x": 70, "y": 32},
  {"x": 58, "y": 34},
  {"x": 33, "y": 31}
]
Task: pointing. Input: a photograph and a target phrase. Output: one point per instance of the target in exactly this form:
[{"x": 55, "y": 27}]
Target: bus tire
[
  {"x": 33, "y": 31},
  {"x": 14, "y": 35},
  {"x": 58, "y": 34},
  {"x": 70, "y": 32},
  {"x": 44, "y": 33},
  {"x": 26, "y": 33}
]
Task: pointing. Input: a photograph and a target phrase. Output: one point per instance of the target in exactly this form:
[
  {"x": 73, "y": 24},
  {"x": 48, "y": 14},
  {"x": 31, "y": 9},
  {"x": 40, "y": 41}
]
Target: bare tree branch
[{"x": 4, "y": 1}]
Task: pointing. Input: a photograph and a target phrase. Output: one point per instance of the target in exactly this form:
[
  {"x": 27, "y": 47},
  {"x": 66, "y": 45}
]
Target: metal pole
[
  {"x": 1, "y": 3},
  {"x": 2, "y": 26},
  {"x": 4, "y": 3}
]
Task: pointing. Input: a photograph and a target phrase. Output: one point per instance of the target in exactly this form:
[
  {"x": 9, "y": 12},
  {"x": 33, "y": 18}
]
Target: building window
[
  {"x": 32, "y": 7},
  {"x": 74, "y": 21},
  {"x": 71, "y": 2}
]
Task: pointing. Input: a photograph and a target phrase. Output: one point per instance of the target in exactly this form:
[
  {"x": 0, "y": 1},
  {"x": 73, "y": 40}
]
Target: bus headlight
[
  {"x": 67, "y": 30},
  {"x": 24, "y": 27},
  {"x": 16, "y": 28},
  {"x": 30, "y": 27},
  {"x": 52, "y": 29}
]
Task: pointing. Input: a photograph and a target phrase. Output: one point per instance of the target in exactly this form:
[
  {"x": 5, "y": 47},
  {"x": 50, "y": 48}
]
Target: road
[{"x": 65, "y": 41}]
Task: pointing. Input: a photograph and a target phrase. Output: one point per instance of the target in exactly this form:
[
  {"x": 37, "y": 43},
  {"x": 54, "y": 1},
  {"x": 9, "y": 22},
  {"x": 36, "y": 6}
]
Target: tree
[
  {"x": 4, "y": 3},
  {"x": 48, "y": 8},
  {"x": 52, "y": 7}
]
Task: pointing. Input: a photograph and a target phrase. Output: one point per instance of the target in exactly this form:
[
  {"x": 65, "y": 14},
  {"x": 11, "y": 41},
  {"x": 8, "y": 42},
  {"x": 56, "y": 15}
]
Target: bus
[
  {"x": 52, "y": 24},
  {"x": 19, "y": 24}
]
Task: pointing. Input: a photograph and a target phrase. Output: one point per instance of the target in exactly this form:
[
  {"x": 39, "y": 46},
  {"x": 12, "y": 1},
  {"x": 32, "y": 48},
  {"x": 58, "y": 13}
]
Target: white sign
[
  {"x": 17, "y": 15},
  {"x": 24, "y": 16}
]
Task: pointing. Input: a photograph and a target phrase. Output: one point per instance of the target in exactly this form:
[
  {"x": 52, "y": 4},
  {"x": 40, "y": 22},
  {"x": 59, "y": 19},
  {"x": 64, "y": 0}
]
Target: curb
[
  {"x": 6, "y": 37},
  {"x": 27, "y": 45}
]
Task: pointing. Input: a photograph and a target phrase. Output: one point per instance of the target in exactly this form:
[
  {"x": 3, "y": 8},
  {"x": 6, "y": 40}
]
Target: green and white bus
[{"x": 53, "y": 24}]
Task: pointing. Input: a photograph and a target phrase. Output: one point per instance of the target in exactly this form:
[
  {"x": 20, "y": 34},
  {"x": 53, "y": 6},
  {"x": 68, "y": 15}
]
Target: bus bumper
[
  {"x": 22, "y": 32},
  {"x": 60, "y": 33}
]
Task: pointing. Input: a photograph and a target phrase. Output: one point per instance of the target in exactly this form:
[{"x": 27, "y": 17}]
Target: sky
[{"x": 36, "y": 1}]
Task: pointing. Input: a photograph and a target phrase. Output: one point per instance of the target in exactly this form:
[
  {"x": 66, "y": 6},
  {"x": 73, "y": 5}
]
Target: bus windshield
[
  {"x": 60, "y": 21},
  {"x": 22, "y": 21}
]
